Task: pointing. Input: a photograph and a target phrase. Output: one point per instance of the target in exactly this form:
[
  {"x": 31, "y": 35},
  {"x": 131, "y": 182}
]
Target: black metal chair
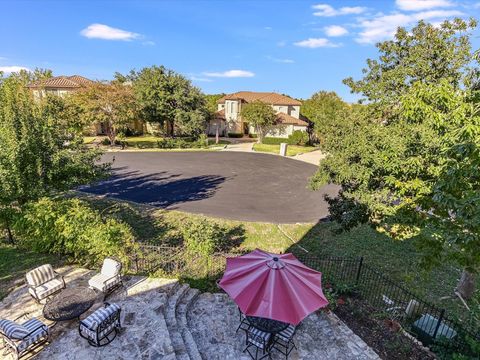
[
  {"x": 98, "y": 327},
  {"x": 244, "y": 324},
  {"x": 20, "y": 339},
  {"x": 260, "y": 340},
  {"x": 283, "y": 341}
]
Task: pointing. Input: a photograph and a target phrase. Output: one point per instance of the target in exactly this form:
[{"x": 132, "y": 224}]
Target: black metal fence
[{"x": 426, "y": 321}]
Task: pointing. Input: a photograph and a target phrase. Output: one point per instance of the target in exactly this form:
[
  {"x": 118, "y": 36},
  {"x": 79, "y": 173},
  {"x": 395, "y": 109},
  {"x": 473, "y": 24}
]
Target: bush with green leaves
[
  {"x": 70, "y": 227},
  {"x": 298, "y": 137},
  {"x": 203, "y": 237}
]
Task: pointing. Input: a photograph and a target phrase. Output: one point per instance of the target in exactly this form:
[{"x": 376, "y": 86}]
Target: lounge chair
[
  {"x": 109, "y": 278},
  {"x": 98, "y": 326},
  {"x": 43, "y": 282},
  {"x": 19, "y": 339}
]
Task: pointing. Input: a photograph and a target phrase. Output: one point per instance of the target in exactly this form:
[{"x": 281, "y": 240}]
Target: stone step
[
  {"x": 171, "y": 320},
  {"x": 182, "y": 309}
]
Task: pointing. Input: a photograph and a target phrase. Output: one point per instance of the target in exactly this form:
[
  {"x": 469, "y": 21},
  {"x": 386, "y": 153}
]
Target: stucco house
[
  {"x": 228, "y": 120},
  {"x": 64, "y": 85},
  {"x": 59, "y": 85}
]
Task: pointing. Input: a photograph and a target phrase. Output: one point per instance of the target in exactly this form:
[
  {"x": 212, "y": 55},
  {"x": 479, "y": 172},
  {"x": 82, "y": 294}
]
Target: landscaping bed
[{"x": 381, "y": 334}]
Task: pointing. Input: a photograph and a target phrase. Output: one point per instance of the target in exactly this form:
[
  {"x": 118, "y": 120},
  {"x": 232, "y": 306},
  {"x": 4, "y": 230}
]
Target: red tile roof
[
  {"x": 287, "y": 119},
  {"x": 266, "y": 97},
  {"x": 62, "y": 82}
]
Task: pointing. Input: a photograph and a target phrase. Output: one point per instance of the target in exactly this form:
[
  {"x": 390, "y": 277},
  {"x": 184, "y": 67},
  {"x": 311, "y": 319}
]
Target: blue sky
[{"x": 294, "y": 47}]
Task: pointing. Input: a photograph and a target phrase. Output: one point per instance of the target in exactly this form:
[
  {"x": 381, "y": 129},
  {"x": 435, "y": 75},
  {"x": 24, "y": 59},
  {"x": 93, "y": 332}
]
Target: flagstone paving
[{"x": 163, "y": 319}]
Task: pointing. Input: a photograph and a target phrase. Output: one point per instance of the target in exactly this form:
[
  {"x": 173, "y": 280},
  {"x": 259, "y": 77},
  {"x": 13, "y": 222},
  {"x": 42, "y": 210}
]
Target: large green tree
[
  {"x": 112, "y": 104},
  {"x": 39, "y": 156},
  {"x": 325, "y": 110},
  {"x": 408, "y": 162},
  {"x": 260, "y": 115},
  {"x": 169, "y": 99}
]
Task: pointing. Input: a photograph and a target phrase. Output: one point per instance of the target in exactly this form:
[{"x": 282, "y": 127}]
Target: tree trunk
[
  {"x": 10, "y": 238},
  {"x": 217, "y": 136},
  {"x": 466, "y": 285}
]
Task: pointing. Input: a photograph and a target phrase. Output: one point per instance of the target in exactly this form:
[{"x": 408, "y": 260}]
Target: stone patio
[{"x": 163, "y": 319}]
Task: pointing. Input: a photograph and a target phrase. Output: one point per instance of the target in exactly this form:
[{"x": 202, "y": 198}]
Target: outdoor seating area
[{"x": 152, "y": 318}]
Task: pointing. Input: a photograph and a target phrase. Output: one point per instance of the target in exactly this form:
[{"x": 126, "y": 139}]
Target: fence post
[
  {"x": 442, "y": 313},
  {"x": 359, "y": 269}
]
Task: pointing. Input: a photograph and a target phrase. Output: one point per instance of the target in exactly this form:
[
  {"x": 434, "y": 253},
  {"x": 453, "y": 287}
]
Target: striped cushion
[
  {"x": 103, "y": 282},
  {"x": 47, "y": 288},
  {"x": 258, "y": 337},
  {"x": 40, "y": 332},
  {"x": 96, "y": 318},
  {"x": 92, "y": 334},
  {"x": 40, "y": 275},
  {"x": 286, "y": 334},
  {"x": 13, "y": 330},
  {"x": 111, "y": 267}
]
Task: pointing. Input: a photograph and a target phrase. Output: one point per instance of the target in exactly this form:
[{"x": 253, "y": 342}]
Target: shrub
[
  {"x": 203, "y": 237},
  {"x": 252, "y": 136},
  {"x": 235, "y": 135},
  {"x": 298, "y": 137},
  {"x": 70, "y": 227}
]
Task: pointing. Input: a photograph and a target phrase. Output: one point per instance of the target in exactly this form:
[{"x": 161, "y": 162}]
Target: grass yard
[
  {"x": 292, "y": 150},
  {"x": 89, "y": 139},
  {"x": 14, "y": 263}
]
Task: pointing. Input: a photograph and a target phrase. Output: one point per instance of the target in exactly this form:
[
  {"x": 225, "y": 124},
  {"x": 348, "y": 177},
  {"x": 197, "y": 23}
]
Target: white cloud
[
  {"x": 278, "y": 60},
  {"x": 105, "y": 32},
  {"x": 148, "y": 43},
  {"x": 201, "y": 79},
  {"x": 416, "y": 5},
  {"x": 316, "y": 43},
  {"x": 328, "y": 11},
  {"x": 11, "y": 69},
  {"x": 230, "y": 74},
  {"x": 384, "y": 27},
  {"x": 335, "y": 30}
]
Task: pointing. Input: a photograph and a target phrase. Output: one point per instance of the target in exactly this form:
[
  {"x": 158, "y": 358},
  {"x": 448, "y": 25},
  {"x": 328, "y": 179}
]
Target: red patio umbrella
[{"x": 277, "y": 287}]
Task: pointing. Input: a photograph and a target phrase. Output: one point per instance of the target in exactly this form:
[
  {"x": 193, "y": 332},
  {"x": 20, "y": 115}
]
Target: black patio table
[
  {"x": 268, "y": 325},
  {"x": 69, "y": 304}
]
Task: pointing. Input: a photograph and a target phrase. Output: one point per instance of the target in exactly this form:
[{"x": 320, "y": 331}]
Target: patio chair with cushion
[
  {"x": 283, "y": 341},
  {"x": 98, "y": 326},
  {"x": 260, "y": 340},
  {"x": 43, "y": 282},
  {"x": 19, "y": 339},
  {"x": 110, "y": 276}
]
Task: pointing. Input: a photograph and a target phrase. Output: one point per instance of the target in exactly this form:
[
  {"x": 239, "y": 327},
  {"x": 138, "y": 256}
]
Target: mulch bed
[{"x": 382, "y": 335}]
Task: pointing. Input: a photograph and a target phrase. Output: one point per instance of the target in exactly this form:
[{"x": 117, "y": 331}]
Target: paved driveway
[{"x": 239, "y": 186}]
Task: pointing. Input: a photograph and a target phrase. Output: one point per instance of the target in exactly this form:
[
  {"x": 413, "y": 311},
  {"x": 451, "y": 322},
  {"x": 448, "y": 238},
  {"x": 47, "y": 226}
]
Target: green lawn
[
  {"x": 292, "y": 150},
  {"x": 14, "y": 263},
  {"x": 89, "y": 139}
]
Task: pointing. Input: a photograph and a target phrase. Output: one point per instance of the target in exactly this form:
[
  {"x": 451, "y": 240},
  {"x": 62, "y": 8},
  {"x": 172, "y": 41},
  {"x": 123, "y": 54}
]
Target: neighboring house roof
[
  {"x": 287, "y": 120},
  {"x": 62, "y": 82},
  {"x": 266, "y": 97}
]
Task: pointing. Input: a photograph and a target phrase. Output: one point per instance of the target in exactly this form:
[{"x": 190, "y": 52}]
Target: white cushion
[
  {"x": 111, "y": 267},
  {"x": 103, "y": 282}
]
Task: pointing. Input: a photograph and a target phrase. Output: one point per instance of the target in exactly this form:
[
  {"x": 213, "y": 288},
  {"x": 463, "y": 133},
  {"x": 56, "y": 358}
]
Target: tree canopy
[
  {"x": 168, "y": 99},
  {"x": 415, "y": 172},
  {"x": 325, "y": 110},
  {"x": 40, "y": 155},
  {"x": 259, "y": 115},
  {"x": 112, "y": 104}
]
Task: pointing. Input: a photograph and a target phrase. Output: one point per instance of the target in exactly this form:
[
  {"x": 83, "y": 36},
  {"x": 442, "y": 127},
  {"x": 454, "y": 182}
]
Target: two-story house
[{"x": 228, "y": 119}]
